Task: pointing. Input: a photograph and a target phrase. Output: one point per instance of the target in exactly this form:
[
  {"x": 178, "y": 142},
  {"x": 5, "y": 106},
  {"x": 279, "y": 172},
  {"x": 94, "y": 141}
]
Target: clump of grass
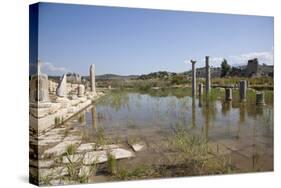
[
  {"x": 217, "y": 165},
  {"x": 71, "y": 149},
  {"x": 255, "y": 160},
  {"x": 190, "y": 145},
  {"x": 84, "y": 176},
  {"x": 133, "y": 140},
  {"x": 75, "y": 168},
  {"x": 139, "y": 172},
  {"x": 45, "y": 180},
  {"x": 101, "y": 140},
  {"x": 111, "y": 164}
]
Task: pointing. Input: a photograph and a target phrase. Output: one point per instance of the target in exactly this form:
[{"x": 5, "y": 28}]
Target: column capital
[{"x": 193, "y": 61}]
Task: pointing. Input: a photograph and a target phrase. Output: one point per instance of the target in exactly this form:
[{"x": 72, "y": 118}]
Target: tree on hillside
[{"x": 225, "y": 68}]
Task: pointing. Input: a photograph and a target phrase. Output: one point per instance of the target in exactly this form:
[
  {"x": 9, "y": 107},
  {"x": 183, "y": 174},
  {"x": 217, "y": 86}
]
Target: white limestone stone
[
  {"x": 85, "y": 147},
  {"x": 60, "y": 148},
  {"x": 72, "y": 158},
  {"x": 120, "y": 153},
  {"x": 41, "y": 163},
  {"x": 81, "y": 90},
  {"x": 64, "y": 102},
  {"x": 138, "y": 146},
  {"x": 95, "y": 157},
  {"x": 51, "y": 139},
  {"x": 75, "y": 102},
  {"x": 56, "y": 131},
  {"x": 54, "y": 107},
  {"x": 101, "y": 156},
  {"x": 73, "y": 138},
  {"x": 85, "y": 171},
  {"x": 39, "y": 112},
  {"x": 53, "y": 172},
  {"x": 72, "y": 109},
  {"x": 61, "y": 89},
  {"x": 73, "y": 97}
]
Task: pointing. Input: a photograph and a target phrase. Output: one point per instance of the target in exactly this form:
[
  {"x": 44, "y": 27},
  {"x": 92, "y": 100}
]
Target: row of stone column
[
  {"x": 228, "y": 91},
  {"x": 208, "y": 78},
  {"x": 39, "y": 91}
]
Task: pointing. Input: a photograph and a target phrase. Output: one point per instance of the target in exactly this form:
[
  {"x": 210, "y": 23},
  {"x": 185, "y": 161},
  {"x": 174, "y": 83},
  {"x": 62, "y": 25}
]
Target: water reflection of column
[
  {"x": 226, "y": 106},
  {"x": 193, "y": 113},
  {"x": 94, "y": 117},
  {"x": 200, "y": 102},
  {"x": 242, "y": 113},
  {"x": 200, "y": 94},
  {"x": 259, "y": 110},
  {"x": 207, "y": 121},
  {"x": 82, "y": 117}
]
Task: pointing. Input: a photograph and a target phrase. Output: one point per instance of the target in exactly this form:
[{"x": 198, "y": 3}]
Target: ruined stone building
[{"x": 254, "y": 69}]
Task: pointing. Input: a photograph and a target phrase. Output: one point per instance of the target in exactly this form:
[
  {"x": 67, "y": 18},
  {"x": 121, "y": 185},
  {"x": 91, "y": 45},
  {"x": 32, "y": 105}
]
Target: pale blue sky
[{"x": 139, "y": 41}]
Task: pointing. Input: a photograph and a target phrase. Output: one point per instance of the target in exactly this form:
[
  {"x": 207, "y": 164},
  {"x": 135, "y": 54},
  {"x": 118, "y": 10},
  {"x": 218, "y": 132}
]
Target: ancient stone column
[
  {"x": 193, "y": 78},
  {"x": 200, "y": 89},
  {"x": 260, "y": 98},
  {"x": 81, "y": 90},
  {"x": 228, "y": 94},
  {"x": 208, "y": 76},
  {"x": 243, "y": 90},
  {"x": 61, "y": 89},
  {"x": 93, "y": 79}
]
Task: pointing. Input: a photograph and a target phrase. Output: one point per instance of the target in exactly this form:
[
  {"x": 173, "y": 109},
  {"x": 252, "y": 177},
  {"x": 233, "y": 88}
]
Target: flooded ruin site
[
  {"x": 146, "y": 96},
  {"x": 131, "y": 134}
]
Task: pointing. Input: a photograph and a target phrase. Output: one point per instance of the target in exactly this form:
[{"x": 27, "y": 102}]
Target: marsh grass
[
  {"x": 255, "y": 161},
  {"x": 235, "y": 80},
  {"x": 76, "y": 169},
  {"x": 100, "y": 135},
  {"x": 191, "y": 145},
  {"x": 45, "y": 180},
  {"x": 195, "y": 152},
  {"x": 111, "y": 164},
  {"x": 133, "y": 139},
  {"x": 71, "y": 149}
]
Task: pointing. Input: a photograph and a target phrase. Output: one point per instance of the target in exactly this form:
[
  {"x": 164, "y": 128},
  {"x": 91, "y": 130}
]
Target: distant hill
[
  {"x": 253, "y": 68},
  {"x": 113, "y": 77}
]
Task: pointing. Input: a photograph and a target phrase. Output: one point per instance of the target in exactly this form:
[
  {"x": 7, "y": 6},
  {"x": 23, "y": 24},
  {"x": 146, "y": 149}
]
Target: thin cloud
[
  {"x": 266, "y": 57},
  {"x": 214, "y": 61},
  {"x": 263, "y": 57},
  {"x": 47, "y": 66}
]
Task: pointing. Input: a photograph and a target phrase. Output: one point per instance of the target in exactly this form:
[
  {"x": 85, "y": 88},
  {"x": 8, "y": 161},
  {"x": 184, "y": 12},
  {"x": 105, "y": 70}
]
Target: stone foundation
[{"x": 55, "y": 113}]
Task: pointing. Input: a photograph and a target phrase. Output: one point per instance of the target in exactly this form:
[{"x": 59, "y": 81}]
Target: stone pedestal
[
  {"x": 200, "y": 89},
  {"x": 243, "y": 90},
  {"x": 81, "y": 90},
  {"x": 39, "y": 89},
  {"x": 193, "y": 78},
  {"x": 208, "y": 75},
  {"x": 39, "y": 102},
  {"x": 228, "y": 94},
  {"x": 260, "y": 98}
]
